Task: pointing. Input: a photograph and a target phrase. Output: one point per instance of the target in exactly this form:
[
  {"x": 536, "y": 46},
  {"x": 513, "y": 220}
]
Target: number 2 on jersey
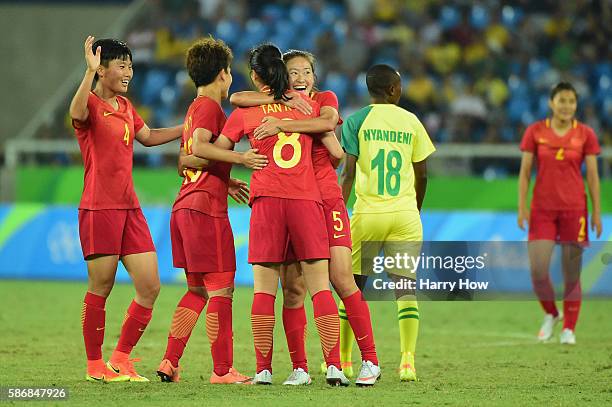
[{"x": 391, "y": 180}]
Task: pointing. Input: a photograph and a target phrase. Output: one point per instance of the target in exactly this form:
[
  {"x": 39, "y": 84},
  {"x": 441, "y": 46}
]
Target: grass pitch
[{"x": 468, "y": 353}]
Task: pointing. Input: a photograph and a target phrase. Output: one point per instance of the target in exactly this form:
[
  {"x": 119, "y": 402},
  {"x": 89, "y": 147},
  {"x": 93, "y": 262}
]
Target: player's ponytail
[{"x": 266, "y": 61}]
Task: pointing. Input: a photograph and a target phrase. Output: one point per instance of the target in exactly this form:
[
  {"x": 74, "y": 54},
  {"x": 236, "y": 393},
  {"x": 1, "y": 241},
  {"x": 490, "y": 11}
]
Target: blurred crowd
[{"x": 472, "y": 71}]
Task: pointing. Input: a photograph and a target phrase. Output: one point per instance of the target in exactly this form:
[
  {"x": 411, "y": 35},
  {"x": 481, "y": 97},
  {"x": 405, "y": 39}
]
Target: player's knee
[
  {"x": 150, "y": 292},
  {"x": 227, "y": 292},
  {"x": 199, "y": 291},
  {"x": 101, "y": 287},
  {"x": 343, "y": 284},
  {"x": 293, "y": 295}
]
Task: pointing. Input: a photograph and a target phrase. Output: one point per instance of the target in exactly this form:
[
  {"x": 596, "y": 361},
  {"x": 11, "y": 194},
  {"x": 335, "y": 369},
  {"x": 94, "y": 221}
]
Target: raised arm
[
  {"x": 327, "y": 121},
  {"x": 154, "y": 137},
  {"x": 78, "y": 105},
  {"x": 221, "y": 150},
  {"x": 250, "y": 98},
  {"x": 593, "y": 184},
  {"x": 330, "y": 141},
  {"x": 523, "y": 189}
]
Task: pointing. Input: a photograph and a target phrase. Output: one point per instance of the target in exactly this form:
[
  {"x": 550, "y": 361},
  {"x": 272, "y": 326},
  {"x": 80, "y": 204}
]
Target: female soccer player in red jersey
[
  {"x": 353, "y": 310},
  {"x": 559, "y": 207},
  {"x": 286, "y": 211},
  {"x": 111, "y": 224},
  {"x": 202, "y": 239}
]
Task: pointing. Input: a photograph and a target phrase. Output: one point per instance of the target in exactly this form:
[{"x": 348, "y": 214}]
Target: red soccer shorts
[
  {"x": 560, "y": 226},
  {"x": 278, "y": 222},
  {"x": 338, "y": 223},
  {"x": 202, "y": 243},
  {"x": 211, "y": 281},
  {"x": 114, "y": 231}
]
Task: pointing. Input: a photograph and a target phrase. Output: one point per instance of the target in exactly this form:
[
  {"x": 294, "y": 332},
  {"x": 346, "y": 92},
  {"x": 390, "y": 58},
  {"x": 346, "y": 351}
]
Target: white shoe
[
  {"x": 548, "y": 326},
  {"x": 368, "y": 374},
  {"x": 568, "y": 337},
  {"x": 298, "y": 378},
  {"x": 336, "y": 377},
  {"x": 263, "y": 377}
]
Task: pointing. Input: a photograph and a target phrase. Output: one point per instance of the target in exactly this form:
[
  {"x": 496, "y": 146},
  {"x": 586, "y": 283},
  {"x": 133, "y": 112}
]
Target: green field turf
[{"x": 469, "y": 353}]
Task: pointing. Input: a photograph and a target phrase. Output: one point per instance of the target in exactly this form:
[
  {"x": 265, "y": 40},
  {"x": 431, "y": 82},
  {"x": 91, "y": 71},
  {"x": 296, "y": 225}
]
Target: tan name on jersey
[
  {"x": 274, "y": 108},
  {"x": 387, "y": 135}
]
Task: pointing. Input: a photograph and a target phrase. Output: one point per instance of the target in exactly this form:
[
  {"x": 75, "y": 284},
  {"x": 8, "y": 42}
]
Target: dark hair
[
  {"x": 206, "y": 58},
  {"x": 297, "y": 53},
  {"x": 379, "y": 78},
  {"x": 561, "y": 86},
  {"x": 266, "y": 60},
  {"x": 111, "y": 49}
]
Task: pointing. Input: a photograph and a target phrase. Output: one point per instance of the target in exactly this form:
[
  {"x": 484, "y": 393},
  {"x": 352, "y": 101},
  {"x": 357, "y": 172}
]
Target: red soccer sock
[
  {"x": 328, "y": 325},
  {"x": 294, "y": 322},
  {"x": 219, "y": 331},
  {"x": 185, "y": 317},
  {"x": 572, "y": 301},
  {"x": 262, "y": 323},
  {"x": 93, "y": 319},
  {"x": 136, "y": 320},
  {"x": 358, "y": 314},
  {"x": 546, "y": 294}
]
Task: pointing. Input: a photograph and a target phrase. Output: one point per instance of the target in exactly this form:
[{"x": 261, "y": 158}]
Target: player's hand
[
  {"x": 251, "y": 159},
  {"x": 596, "y": 225},
  {"x": 238, "y": 190},
  {"x": 297, "y": 102},
  {"x": 523, "y": 217},
  {"x": 93, "y": 60},
  {"x": 270, "y": 126}
]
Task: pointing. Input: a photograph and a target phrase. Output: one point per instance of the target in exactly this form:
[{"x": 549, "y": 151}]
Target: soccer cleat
[
  {"x": 98, "y": 372},
  {"x": 368, "y": 374},
  {"x": 231, "y": 377},
  {"x": 548, "y": 327},
  {"x": 126, "y": 367},
  {"x": 263, "y": 377},
  {"x": 568, "y": 337},
  {"x": 407, "y": 372},
  {"x": 347, "y": 368},
  {"x": 336, "y": 377},
  {"x": 298, "y": 377},
  {"x": 168, "y": 373},
  {"x": 241, "y": 376}
]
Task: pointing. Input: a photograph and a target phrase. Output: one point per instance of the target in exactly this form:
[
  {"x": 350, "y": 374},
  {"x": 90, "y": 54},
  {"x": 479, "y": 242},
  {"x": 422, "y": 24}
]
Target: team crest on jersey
[{"x": 576, "y": 141}]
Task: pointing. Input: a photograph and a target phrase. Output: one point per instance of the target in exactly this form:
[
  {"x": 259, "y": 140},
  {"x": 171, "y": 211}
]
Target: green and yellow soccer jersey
[{"x": 386, "y": 140}]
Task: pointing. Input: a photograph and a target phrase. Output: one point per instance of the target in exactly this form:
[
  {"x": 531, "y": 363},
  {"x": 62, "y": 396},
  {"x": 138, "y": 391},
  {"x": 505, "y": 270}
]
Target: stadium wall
[
  {"x": 63, "y": 185},
  {"x": 44, "y": 54},
  {"x": 40, "y": 241}
]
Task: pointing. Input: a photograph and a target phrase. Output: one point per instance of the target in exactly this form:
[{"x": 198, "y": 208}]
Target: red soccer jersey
[
  {"x": 289, "y": 173},
  {"x": 325, "y": 173},
  {"x": 559, "y": 184},
  {"x": 204, "y": 191},
  {"x": 106, "y": 140}
]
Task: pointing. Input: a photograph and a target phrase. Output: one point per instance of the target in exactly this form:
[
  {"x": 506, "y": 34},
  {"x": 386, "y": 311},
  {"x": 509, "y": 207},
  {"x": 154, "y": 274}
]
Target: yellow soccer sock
[{"x": 408, "y": 318}]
